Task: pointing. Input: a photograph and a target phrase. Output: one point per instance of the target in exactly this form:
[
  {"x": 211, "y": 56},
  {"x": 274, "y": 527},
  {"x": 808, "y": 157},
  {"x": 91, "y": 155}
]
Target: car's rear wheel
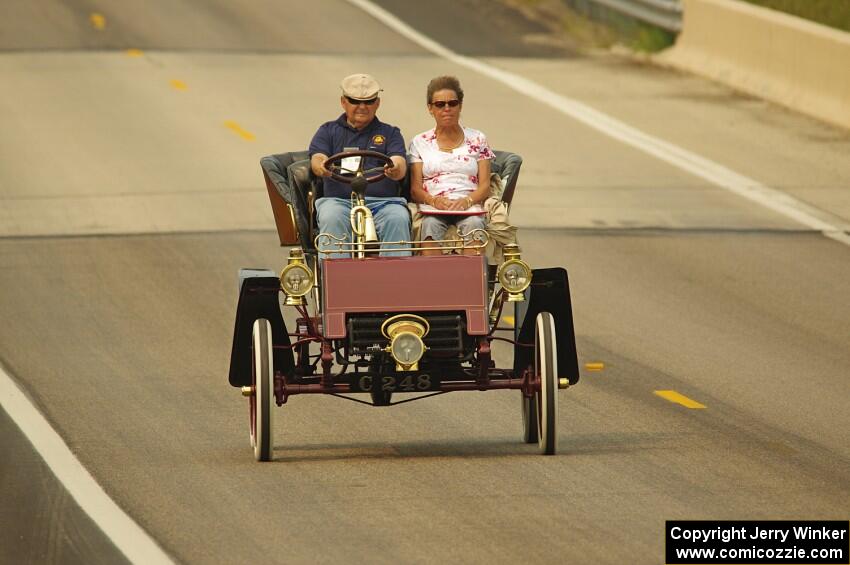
[
  {"x": 546, "y": 368},
  {"x": 261, "y": 402},
  {"x": 381, "y": 397}
]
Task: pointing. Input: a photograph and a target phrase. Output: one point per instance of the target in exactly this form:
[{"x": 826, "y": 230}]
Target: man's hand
[
  {"x": 397, "y": 169},
  {"x": 317, "y": 165},
  {"x": 391, "y": 171}
]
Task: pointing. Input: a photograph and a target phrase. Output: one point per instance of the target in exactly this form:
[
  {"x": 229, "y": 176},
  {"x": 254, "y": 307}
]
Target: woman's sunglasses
[
  {"x": 355, "y": 102},
  {"x": 443, "y": 103}
]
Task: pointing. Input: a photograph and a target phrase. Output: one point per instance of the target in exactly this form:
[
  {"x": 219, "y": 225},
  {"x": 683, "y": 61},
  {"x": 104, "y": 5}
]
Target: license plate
[{"x": 414, "y": 382}]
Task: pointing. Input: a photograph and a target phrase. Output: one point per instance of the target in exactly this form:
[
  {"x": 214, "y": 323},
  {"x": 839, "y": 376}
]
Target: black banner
[{"x": 757, "y": 542}]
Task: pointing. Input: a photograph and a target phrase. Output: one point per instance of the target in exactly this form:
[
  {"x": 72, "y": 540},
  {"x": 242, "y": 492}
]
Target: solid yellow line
[
  {"x": 237, "y": 129},
  {"x": 179, "y": 84},
  {"x": 674, "y": 396},
  {"x": 134, "y": 52},
  {"x": 98, "y": 21}
]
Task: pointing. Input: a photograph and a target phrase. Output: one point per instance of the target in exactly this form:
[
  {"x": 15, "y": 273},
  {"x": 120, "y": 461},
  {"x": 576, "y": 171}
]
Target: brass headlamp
[
  {"x": 405, "y": 332},
  {"x": 296, "y": 279},
  {"x": 514, "y": 274}
]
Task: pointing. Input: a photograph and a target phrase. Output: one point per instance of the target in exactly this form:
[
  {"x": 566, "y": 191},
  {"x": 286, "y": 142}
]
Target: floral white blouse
[{"x": 453, "y": 174}]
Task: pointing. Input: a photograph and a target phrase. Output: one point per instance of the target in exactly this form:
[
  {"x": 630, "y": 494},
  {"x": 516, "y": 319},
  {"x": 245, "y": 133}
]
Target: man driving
[{"x": 358, "y": 129}]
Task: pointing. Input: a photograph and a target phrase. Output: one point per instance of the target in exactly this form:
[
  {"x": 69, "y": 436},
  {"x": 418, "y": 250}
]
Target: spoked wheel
[
  {"x": 261, "y": 402},
  {"x": 546, "y": 368},
  {"x": 529, "y": 419}
]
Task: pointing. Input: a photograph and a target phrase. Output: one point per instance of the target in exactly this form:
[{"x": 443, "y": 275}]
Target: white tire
[
  {"x": 262, "y": 402},
  {"x": 546, "y": 368}
]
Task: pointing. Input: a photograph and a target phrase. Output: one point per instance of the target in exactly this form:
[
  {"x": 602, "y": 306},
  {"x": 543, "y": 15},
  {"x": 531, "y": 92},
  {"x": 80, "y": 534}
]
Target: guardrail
[
  {"x": 766, "y": 53},
  {"x": 666, "y": 14}
]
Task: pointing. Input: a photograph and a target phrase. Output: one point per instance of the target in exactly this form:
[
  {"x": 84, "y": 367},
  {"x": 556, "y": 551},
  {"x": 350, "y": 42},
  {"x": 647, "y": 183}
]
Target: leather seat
[{"x": 290, "y": 181}]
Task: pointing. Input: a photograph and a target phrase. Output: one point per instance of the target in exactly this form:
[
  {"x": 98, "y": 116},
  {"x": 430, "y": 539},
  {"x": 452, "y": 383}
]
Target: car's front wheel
[
  {"x": 529, "y": 419},
  {"x": 262, "y": 400},
  {"x": 546, "y": 369}
]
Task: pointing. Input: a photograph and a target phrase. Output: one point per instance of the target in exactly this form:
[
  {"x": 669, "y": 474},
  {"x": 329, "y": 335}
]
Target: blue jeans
[
  {"x": 392, "y": 221},
  {"x": 435, "y": 226}
]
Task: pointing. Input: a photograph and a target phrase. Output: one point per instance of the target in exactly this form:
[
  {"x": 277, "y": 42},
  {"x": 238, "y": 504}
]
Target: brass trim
[
  {"x": 296, "y": 255},
  {"x": 399, "y": 365},
  {"x": 511, "y": 251},
  {"x": 496, "y": 304},
  {"x": 294, "y": 225},
  {"x": 247, "y": 391},
  {"x": 515, "y": 291},
  {"x": 405, "y": 322},
  {"x": 295, "y": 261}
]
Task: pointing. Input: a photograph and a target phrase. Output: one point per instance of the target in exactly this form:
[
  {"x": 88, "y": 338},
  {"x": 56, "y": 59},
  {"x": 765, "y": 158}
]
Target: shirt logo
[{"x": 378, "y": 140}]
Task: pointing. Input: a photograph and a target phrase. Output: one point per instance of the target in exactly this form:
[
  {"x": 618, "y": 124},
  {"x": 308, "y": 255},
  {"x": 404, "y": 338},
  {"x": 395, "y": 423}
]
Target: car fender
[{"x": 258, "y": 298}]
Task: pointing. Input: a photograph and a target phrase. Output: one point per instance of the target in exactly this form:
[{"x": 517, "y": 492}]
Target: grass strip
[{"x": 833, "y": 13}]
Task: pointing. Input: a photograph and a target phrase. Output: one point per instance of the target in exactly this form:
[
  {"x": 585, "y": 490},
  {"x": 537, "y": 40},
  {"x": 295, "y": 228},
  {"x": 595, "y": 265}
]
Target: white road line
[
  {"x": 127, "y": 536},
  {"x": 685, "y": 160}
]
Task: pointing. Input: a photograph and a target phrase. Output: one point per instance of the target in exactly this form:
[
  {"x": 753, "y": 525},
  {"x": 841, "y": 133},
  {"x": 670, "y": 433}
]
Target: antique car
[{"x": 382, "y": 328}]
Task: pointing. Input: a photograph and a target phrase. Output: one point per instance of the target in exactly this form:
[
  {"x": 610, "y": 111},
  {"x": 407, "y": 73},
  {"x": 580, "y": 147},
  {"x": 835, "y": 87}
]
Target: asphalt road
[{"x": 127, "y": 204}]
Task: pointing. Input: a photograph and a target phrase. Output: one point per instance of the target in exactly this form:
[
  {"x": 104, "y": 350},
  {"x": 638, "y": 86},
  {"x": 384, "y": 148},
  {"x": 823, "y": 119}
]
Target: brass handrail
[{"x": 327, "y": 243}]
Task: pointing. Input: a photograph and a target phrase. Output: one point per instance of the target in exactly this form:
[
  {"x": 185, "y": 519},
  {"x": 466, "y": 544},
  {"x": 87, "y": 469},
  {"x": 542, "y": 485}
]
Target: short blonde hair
[{"x": 444, "y": 83}]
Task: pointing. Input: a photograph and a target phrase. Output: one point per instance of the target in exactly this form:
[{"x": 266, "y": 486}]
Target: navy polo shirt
[{"x": 333, "y": 137}]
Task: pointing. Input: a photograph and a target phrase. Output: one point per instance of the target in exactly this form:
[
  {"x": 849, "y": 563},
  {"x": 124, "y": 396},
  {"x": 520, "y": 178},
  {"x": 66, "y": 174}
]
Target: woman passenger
[{"x": 449, "y": 168}]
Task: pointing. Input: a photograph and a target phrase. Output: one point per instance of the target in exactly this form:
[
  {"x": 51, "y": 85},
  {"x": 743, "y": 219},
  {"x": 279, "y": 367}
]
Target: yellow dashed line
[
  {"x": 509, "y": 320},
  {"x": 237, "y": 129},
  {"x": 178, "y": 85},
  {"x": 134, "y": 52},
  {"x": 674, "y": 396},
  {"x": 98, "y": 21},
  {"x": 594, "y": 366}
]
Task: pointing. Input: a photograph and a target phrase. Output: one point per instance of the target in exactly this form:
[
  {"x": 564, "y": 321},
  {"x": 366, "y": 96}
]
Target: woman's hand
[
  {"x": 459, "y": 204},
  {"x": 440, "y": 203}
]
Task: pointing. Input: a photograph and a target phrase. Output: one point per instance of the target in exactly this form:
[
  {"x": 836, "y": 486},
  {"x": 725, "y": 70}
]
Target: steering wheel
[{"x": 334, "y": 166}]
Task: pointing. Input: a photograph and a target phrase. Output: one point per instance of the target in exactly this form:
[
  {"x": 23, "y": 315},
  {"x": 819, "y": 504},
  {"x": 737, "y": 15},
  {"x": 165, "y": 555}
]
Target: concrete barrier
[{"x": 794, "y": 62}]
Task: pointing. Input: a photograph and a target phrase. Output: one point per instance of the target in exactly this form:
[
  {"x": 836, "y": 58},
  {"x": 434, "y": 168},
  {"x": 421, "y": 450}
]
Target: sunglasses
[
  {"x": 443, "y": 103},
  {"x": 355, "y": 102}
]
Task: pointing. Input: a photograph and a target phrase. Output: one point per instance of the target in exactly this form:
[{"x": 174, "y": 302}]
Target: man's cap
[{"x": 360, "y": 87}]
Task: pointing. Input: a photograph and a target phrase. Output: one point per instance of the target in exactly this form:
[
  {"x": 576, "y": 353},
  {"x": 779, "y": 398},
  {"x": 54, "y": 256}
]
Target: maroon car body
[{"x": 449, "y": 283}]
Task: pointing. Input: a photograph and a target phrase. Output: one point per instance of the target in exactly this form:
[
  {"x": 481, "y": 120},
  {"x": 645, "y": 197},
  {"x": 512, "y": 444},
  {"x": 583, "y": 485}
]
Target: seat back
[
  {"x": 507, "y": 165},
  {"x": 292, "y": 190}
]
